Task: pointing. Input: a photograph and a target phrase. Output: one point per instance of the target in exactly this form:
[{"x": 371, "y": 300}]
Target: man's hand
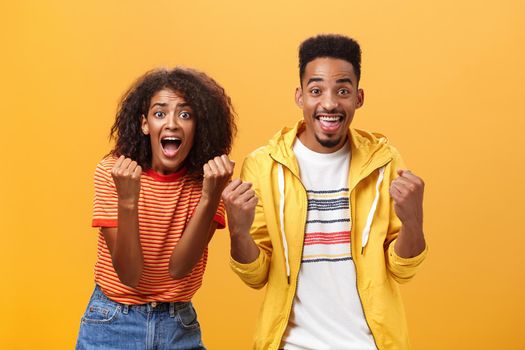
[
  {"x": 240, "y": 201},
  {"x": 407, "y": 192},
  {"x": 126, "y": 175},
  {"x": 217, "y": 172}
]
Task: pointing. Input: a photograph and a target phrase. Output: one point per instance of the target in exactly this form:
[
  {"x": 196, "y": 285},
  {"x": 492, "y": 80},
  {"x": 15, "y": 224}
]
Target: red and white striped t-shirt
[{"x": 166, "y": 205}]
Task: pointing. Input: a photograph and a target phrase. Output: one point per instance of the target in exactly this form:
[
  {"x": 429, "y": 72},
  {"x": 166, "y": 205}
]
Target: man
[{"x": 328, "y": 218}]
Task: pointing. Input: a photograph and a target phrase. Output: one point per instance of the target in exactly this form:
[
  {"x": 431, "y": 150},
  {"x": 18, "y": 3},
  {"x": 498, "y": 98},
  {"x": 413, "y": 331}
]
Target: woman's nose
[{"x": 171, "y": 121}]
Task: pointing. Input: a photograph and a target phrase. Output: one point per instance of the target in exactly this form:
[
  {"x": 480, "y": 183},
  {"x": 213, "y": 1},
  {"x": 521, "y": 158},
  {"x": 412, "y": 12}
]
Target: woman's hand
[{"x": 126, "y": 175}]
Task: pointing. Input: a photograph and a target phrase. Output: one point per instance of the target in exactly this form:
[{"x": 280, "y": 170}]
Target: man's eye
[
  {"x": 184, "y": 115},
  {"x": 344, "y": 92},
  {"x": 159, "y": 114},
  {"x": 315, "y": 91}
]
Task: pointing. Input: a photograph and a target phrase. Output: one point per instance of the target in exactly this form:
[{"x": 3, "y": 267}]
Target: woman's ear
[{"x": 145, "y": 127}]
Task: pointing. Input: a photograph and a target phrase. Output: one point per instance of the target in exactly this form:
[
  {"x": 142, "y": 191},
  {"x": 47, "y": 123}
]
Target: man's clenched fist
[
  {"x": 407, "y": 192},
  {"x": 240, "y": 201}
]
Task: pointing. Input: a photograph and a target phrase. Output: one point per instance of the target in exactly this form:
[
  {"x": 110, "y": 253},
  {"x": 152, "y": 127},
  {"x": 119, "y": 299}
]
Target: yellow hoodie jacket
[{"x": 278, "y": 231}]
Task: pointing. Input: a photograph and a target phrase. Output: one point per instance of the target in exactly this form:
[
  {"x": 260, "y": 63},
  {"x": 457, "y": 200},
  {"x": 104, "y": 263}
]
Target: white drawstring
[
  {"x": 280, "y": 177},
  {"x": 371, "y": 213}
]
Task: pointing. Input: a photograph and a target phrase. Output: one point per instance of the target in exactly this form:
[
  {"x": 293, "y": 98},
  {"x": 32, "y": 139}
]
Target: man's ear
[
  {"x": 360, "y": 98},
  {"x": 145, "y": 128},
  {"x": 299, "y": 97}
]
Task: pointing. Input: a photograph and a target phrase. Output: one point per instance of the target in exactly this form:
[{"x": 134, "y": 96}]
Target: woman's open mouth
[{"x": 170, "y": 145}]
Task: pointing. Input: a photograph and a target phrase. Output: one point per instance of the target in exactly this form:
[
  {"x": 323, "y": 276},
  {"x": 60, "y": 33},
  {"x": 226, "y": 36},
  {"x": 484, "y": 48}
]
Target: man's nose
[{"x": 329, "y": 102}]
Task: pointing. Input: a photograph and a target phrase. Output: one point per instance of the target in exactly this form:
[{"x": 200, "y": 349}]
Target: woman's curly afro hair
[{"x": 213, "y": 109}]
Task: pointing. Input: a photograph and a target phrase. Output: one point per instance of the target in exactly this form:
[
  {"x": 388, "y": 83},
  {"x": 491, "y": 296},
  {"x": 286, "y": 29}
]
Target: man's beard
[{"x": 328, "y": 143}]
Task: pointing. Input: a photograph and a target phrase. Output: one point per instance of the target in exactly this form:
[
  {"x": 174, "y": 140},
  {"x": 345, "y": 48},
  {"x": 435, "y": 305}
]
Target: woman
[{"x": 157, "y": 205}]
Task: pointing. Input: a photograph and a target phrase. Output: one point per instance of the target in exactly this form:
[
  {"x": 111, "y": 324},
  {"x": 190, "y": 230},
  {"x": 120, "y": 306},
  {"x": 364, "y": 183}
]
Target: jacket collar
[
  {"x": 369, "y": 151},
  {"x": 281, "y": 146}
]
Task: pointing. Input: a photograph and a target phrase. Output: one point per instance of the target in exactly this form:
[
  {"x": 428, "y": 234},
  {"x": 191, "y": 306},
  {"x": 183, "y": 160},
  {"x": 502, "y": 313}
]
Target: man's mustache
[{"x": 341, "y": 112}]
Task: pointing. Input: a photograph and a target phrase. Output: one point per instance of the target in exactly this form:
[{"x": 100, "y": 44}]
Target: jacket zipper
[
  {"x": 283, "y": 329},
  {"x": 357, "y": 285},
  {"x": 355, "y": 266}
]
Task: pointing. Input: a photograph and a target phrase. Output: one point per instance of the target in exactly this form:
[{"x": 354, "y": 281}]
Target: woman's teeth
[{"x": 170, "y": 145}]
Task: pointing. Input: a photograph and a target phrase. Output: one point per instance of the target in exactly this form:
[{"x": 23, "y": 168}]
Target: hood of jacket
[{"x": 370, "y": 151}]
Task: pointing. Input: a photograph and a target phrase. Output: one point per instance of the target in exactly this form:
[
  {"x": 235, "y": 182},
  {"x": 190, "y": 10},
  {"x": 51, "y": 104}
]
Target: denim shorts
[{"x": 107, "y": 324}]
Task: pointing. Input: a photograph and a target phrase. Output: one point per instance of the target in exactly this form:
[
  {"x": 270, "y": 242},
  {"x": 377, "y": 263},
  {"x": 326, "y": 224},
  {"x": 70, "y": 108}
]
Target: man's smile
[{"x": 330, "y": 122}]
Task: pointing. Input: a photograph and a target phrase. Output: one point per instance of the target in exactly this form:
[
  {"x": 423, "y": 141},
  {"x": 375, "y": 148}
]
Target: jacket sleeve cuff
[
  {"x": 408, "y": 262},
  {"x": 403, "y": 269},
  {"x": 254, "y": 273},
  {"x": 249, "y": 267}
]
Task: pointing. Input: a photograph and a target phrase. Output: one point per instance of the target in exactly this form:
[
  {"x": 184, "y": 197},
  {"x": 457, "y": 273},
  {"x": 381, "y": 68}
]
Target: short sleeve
[{"x": 105, "y": 204}]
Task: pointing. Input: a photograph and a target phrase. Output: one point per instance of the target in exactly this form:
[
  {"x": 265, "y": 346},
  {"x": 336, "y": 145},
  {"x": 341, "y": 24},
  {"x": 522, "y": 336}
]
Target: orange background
[{"x": 444, "y": 80}]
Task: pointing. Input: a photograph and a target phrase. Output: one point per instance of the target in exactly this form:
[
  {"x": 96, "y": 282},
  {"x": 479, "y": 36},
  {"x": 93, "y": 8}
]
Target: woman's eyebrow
[
  {"x": 164, "y": 104},
  {"x": 160, "y": 104}
]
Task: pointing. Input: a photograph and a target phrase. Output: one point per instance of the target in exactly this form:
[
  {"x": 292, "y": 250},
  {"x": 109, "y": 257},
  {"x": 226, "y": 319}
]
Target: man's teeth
[
  {"x": 329, "y": 119},
  {"x": 170, "y": 139}
]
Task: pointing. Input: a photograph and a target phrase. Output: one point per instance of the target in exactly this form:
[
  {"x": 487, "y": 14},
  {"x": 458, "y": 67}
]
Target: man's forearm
[
  {"x": 410, "y": 242},
  {"x": 243, "y": 248}
]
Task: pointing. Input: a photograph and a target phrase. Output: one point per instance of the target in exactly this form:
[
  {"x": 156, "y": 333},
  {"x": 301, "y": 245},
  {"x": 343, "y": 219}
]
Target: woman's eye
[
  {"x": 159, "y": 114},
  {"x": 184, "y": 115}
]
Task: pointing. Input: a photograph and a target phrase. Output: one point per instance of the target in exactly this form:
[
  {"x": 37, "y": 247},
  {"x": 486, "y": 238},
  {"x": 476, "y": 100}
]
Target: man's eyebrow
[
  {"x": 344, "y": 80},
  {"x": 311, "y": 80}
]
